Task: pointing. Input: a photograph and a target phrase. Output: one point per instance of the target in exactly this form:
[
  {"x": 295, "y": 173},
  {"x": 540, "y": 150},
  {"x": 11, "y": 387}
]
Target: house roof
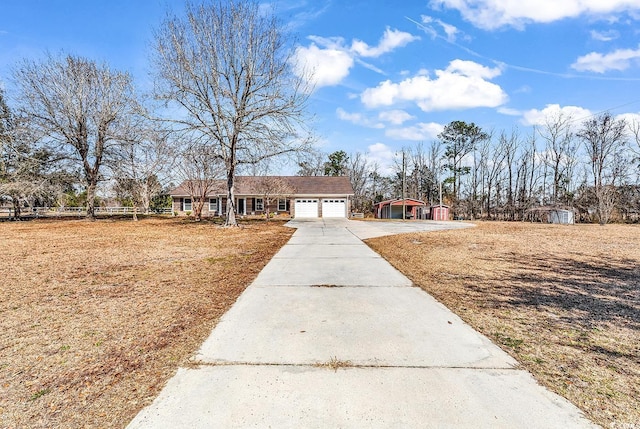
[
  {"x": 254, "y": 185},
  {"x": 407, "y": 201}
]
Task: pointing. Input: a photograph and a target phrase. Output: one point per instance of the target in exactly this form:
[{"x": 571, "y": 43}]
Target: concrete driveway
[
  {"x": 329, "y": 335},
  {"x": 365, "y": 229}
]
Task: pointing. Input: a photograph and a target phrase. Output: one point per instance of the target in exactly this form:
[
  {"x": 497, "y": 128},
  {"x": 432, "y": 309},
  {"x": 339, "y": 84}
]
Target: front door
[{"x": 241, "y": 206}]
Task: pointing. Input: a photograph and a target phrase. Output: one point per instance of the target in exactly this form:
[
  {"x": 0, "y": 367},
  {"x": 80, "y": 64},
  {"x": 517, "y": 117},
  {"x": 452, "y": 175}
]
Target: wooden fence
[{"x": 31, "y": 212}]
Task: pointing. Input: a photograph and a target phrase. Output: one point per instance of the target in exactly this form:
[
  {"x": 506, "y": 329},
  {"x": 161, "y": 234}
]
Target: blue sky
[{"x": 391, "y": 73}]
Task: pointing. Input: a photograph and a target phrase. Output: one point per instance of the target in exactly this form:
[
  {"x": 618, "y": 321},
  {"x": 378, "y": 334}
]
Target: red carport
[{"x": 392, "y": 209}]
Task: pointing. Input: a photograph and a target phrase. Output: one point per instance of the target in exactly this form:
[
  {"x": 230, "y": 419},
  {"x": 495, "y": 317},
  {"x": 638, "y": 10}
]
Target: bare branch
[
  {"x": 228, "y": 67},
  {"x": 604, "y": 137},
  {"x": 81, "y": 108}
]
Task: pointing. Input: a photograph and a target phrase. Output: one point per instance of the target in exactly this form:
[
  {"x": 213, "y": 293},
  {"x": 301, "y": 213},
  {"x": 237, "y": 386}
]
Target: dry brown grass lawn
[
  {"x": 563, "y": 300},
  {"x": 96, "y": 316}
]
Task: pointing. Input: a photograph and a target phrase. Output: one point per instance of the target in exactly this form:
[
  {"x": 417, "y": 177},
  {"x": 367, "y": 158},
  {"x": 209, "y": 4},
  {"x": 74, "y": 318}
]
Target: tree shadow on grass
[{"x": 587, "y": 291}]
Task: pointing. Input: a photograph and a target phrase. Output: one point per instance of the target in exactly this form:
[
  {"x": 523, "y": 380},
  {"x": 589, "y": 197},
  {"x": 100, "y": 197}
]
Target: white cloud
[
  {"x": 370, "y": 66},
  {"x": 619, "y": 59},
  {"x": 629, "y": 117},
  {"x": 385, "y": 94},
  {"x": 308, "y": 14},
  {"x": 357, "y": 118},
  {"x": 427, "y": 27},
  {"x": 472, "y": 69},
  {"x": 525, "y": 89},
  {"x": 395, "y": 117},
  {"x": 493, "y": 14},
  {"x": 328, "y": 42},
  {"x": 418, "y": 132},
  {"x": 632, "y": 119},
  {"x": 551, "y": 111},
  {"x": 382, "y": 155},
  {"x": 327, "y": 60},
  {"x": 299, "y": 12},
  {"x": 391, "y": 39},
  {"x": 509, "y": 111},
  {"x": 604, "y": 36},
  {"x": 325, "y": 66},
  {"x": 450, "y": 30},
  {"x": 462, "y": 85}
]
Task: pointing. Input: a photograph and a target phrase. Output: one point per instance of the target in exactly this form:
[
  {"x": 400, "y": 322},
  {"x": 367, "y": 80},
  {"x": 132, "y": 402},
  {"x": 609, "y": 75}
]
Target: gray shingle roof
[{"x": 300, "y": 185}]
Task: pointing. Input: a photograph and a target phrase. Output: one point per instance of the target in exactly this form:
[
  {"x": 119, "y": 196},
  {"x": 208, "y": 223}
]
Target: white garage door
[
  {"x": 306, "y": 208},
  {"x": 334, "y": 208}
]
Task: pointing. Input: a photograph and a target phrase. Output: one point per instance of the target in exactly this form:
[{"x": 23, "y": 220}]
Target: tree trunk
[
  {"x": 91, "y": 197},
  {"x": 489, "y": 200},
  {"x": 231, "y": 203},
  {"x": 197, "y": 208},
  {"x": 145, "y": 197},
  {"x": 454, "y": 201},
  {"x": 16, "y": 209}
]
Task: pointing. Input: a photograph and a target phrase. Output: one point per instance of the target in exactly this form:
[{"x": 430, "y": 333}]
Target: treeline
[{"x": 590, "y": 166}]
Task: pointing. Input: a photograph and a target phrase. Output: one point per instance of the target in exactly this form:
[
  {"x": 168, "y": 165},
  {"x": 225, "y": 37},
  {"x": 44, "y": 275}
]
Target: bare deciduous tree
[
  {"x": 6, "y": 120},
  {"x": 6, "y": 129},
  {"x": 27, "y": 172},
  {"x": 492, "y": 161},
  {"x": 141, "y": 165},
  {"x": 634, "y": 128},
  {"x": 510, "y": 147},
  {"x": 379, "y": 187},
  {"x": 270, "y": 188},
  {"x": 80, "y": 107},
  {"x": 603, "y": 137},
  {"x": 201, "y": 171},
  {"x": 527, "y": 176},
  {"x": 434, "y": 164},
  {"x": 229, "y": 68},
  {"x": 559, "y": 152},
  {"x": 311, "y": 163},
  {"x": 359, "y": 172},
  {"x": 422, "y": 178}
]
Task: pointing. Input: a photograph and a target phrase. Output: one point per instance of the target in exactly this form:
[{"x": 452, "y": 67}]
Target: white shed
[{"x": 561, "y": 216}]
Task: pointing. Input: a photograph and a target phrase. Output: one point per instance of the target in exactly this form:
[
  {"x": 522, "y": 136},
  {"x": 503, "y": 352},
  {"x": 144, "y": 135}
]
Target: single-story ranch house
[{"x": 297, "y": 196}]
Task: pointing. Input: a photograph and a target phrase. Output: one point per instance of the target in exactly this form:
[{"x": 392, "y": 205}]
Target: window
[
  {"x": 186, "y": 205},
  {"x": 282, "y": 204},
  {"x": 213, "y": 204},
  {"x": 259, "y": 204}
]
